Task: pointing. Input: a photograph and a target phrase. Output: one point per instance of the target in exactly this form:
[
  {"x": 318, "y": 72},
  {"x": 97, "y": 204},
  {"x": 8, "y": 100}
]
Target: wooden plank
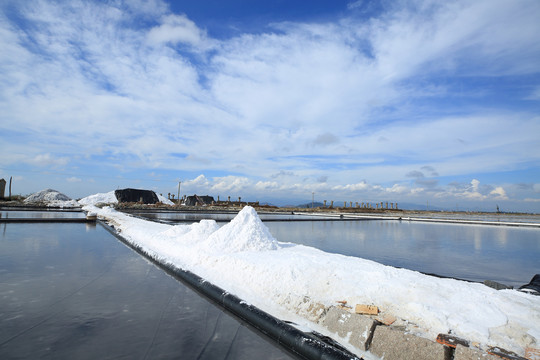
[{"x": 366, "y": 309}]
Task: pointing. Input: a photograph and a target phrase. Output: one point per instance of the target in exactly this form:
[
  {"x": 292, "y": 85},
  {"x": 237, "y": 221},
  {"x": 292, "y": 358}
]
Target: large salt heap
[
  {"x": 246, "y": 232},
  {"x": 51, "y": 197},
  {"x": 46, "y": 196}
]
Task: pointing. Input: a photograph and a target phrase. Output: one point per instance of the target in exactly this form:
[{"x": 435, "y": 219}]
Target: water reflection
[
  {"x": 69, "y": 292},
  {"x": 505, "y": 254},
  {"x": 41, "y": 214}
]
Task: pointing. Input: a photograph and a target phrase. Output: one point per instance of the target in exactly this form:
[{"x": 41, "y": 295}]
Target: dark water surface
[
  {"x": 73, "y": 291},
  {"x": 40, "y": 214},
  {"x": 505, "y": 254}
]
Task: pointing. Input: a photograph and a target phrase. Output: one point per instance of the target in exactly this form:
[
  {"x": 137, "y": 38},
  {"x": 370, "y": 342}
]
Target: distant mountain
[{"x": 267, "y": 203}]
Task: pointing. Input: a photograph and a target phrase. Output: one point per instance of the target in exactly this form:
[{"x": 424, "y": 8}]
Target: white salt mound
[
  {"x": 164, "y": 200},
  {"x": 103, "y": 198},
  {"x": 46, "y": 196},
  {"x": 193, "y": 233},
  {"x": 246, "y": 232}
]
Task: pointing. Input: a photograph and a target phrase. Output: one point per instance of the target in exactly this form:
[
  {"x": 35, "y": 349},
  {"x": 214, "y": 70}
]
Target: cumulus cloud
[
  {"x": 177, "y": 29},
  {"x": 499, "y": 193},
  {"x": 363, "y": 185},
  {"x": 398, "y": 188},
  {"x": 348, "y": 97}
]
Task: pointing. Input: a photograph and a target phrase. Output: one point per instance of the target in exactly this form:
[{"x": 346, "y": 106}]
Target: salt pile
[
  {"x": 100, "y": 198},
  {"x": 193, "y": 233},
  {"x": 51, "y": 197},
  {"x": 245, "y": 232},
  {"x": 46, "y": 195}
]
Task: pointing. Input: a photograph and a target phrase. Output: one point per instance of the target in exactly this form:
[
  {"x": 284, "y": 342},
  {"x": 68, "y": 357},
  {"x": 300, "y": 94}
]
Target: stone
[
  {"x": 392, "y": 344},
  {"x": 357, "y": 328},
  {"x": 466, "y": 353}
]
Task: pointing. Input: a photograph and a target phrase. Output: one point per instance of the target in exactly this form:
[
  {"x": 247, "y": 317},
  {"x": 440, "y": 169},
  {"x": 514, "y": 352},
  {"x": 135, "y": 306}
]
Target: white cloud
[
  {"x": 177, "y": 29},
  {"x": 73, "y": 179},
  {"x": 199, "y": 181},
  {"x": 266, "y": 185},
  {"x": 499, "y": 193},
  {"x": 398, "y": 189},
  {"x": 236, "y": 184},
  {"x": 353, "y": 187},
  {"x": 94, "y": 83}
]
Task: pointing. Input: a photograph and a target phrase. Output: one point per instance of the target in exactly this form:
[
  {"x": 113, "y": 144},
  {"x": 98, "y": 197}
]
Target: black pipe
[{"x": 302, "y": 345}]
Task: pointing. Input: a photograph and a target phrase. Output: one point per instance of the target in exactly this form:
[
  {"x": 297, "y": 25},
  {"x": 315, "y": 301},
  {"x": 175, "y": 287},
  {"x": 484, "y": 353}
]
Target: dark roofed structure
[
  {"x": 136, "y": 195},
  {"x": 196, "y": 200}
]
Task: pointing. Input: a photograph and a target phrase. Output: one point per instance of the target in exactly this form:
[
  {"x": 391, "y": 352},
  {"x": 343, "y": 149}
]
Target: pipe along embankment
[{"x": 300, "y": 344}]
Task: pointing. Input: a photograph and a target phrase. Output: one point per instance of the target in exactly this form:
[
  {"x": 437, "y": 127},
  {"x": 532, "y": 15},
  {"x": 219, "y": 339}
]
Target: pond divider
[
  {"x": 346, "y": 216},
  {"x": 302, "y": 345}
]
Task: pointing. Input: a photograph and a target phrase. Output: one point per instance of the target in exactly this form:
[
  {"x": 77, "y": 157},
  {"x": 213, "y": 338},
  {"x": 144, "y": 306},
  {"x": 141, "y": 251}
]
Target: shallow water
[
  {"x": 74, "y": 291},
  {"x": 40, "y": 214},
  {"x": 508, "y": 255}
]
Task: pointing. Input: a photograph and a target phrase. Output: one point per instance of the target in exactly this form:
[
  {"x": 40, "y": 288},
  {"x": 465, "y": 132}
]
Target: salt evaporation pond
[
  {"x": 473, "y": 252},
  {"x": 40, "y": 214},
  {"x": 73, "y": 291}
]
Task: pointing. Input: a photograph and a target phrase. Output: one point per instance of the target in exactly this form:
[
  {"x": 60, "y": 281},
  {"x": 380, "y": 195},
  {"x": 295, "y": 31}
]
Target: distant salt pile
[
  {"x": 246, "y": 232},
  {"x": 46, "y": 195},
  {"x": 51, "y": 197}
]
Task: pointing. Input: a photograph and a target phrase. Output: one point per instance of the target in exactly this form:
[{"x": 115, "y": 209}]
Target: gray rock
[
  {"x": 357, "y": 328},
  {"x": 397, "y": 345}
]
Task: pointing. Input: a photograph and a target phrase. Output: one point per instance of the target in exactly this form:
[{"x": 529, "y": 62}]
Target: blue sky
[{"x": 401, "y": 101}]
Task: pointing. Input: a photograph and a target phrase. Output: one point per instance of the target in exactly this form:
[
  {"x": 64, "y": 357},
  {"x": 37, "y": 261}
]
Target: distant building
[
  {"x": 196, "y": 200},
  {"x": 136, "y": 195}
]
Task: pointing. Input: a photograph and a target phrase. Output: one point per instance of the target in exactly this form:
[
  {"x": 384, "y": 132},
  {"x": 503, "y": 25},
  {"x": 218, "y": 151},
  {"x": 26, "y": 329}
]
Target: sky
[{"x": 415, "y": 102}]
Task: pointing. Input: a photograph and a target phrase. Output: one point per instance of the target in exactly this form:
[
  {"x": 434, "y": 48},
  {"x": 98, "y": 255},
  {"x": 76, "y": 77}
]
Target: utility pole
[
  {"x": 178, "y": 197},
  {"x": 312, "y": 198}
]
